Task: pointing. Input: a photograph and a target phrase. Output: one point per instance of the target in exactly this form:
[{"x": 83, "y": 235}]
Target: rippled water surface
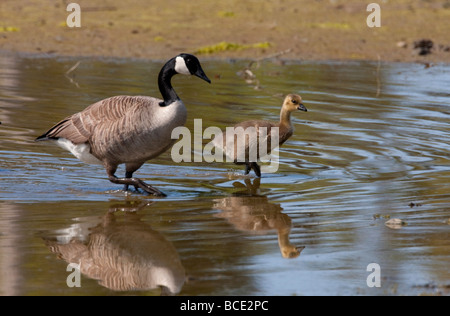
[{"x": 373, "y": 146}]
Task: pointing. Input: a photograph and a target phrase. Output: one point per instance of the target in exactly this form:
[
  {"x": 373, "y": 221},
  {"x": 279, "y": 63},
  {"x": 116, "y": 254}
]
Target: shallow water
[{"x": 374, "y": 145}]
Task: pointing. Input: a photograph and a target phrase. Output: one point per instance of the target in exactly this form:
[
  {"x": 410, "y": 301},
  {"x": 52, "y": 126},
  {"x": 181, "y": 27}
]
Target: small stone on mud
[{"x": 402, "y": 44}]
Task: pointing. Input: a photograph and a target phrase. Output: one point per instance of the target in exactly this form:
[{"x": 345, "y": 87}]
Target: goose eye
[{"x": 294, "y": 101}]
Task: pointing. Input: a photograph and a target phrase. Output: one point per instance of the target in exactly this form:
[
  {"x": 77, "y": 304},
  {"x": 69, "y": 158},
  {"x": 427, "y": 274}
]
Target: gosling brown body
[{"x": 292, "y": 103}]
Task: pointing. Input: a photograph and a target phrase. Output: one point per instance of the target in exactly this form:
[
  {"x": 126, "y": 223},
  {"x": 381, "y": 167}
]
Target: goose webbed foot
[
  {"x": 148, "y": 188},
  {"x": 138, "y": 184}
]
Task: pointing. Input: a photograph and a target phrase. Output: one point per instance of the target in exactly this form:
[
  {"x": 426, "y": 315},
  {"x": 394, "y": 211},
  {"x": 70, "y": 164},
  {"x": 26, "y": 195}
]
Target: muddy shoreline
[{"x": 315, "y": 30}]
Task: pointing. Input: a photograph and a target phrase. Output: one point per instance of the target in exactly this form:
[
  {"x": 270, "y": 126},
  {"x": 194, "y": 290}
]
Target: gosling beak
[
  {"x": 301, "y": 107},
  {"x": 201, "y": 74}
]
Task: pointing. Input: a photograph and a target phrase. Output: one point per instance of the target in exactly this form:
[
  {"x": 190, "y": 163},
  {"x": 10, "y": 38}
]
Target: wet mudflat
[{"x": 373, "y": 146}]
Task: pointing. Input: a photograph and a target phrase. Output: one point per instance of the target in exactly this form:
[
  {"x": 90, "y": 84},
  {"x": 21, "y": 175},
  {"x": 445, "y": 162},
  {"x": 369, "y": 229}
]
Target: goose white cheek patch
[{"x": 180, "y": 66}]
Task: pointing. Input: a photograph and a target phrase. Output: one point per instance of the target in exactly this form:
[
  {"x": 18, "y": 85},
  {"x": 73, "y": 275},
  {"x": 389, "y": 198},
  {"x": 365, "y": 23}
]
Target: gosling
[{"x": 250, "y": 146}]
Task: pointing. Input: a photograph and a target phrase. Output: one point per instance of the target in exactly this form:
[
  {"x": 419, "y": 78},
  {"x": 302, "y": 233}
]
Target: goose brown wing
[{"x": 79, "y": 127}]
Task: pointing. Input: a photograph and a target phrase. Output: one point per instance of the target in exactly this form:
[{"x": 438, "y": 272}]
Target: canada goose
[
  {"x": 292, "y": 102},
  {"x": 128, "y": 129}
]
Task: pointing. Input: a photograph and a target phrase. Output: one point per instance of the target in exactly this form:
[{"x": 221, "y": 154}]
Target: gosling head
[
  {"x": 187, "y": 64},
  {"x": 294, "y": 102}
]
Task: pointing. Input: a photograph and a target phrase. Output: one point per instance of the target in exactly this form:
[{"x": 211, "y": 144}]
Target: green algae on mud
[{"x": 226, "y": 47}]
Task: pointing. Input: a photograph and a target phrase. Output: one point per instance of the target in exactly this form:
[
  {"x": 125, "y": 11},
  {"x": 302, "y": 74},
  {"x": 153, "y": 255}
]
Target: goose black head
[
  {"x": 184, "y": 64},
  {"x": 187, "y": 64}
]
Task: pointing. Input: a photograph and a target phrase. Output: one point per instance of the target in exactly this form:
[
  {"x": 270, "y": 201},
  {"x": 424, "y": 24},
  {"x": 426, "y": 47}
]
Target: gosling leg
[
  {"x": 248, "y": 168},
  {"x": 257, "y": 169},
  {"x": 253, "y": 165}
]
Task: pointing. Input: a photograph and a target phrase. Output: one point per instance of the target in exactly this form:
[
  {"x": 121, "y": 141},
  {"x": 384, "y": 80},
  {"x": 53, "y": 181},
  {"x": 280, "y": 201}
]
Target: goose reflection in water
[
  {"x": 122, "y": 252},
  {"x": 250, "y": 212}
]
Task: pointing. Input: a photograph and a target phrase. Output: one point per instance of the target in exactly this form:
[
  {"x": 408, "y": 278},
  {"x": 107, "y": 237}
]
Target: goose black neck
[{"x": 164, "y": 82}]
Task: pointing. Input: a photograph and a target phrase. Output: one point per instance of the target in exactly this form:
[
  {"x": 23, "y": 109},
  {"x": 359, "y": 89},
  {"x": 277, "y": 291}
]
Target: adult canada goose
[
  {"x": 251, "y": 145},
  {"x": 128, "y": 129}
]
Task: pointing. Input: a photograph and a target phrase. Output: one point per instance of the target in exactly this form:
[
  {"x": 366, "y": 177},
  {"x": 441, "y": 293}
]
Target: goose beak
[
  {"x": 201, "y": 74},
  {"x": 301, "y": 107}
]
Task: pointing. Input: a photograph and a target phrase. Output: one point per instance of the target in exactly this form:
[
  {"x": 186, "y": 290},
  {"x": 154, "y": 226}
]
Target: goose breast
[{"x": 131, "y": 129}]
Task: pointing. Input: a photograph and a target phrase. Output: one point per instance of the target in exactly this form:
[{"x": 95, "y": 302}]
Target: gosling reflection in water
[
  {"x": 122, "y": 253},
  {"x": 250, "y": 212}
]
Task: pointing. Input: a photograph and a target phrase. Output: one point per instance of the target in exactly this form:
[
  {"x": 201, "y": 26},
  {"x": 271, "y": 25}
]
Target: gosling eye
[{"x": 294, "y": 101}]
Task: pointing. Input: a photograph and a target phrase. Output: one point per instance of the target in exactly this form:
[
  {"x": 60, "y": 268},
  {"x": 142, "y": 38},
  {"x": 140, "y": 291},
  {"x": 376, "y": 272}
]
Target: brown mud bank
[{"x": 302, "y": 30}]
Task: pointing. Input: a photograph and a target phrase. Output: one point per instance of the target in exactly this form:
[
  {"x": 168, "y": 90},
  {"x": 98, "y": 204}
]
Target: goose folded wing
[{"x": 79, "y": 127}]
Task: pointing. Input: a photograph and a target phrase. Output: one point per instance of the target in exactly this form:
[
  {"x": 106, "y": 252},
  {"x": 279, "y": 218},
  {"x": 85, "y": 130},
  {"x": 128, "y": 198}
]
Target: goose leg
[
  {"x": 129, "y": 175},
  {"x": 129, "y": 170},
  {"x": 137, "y": 183}
]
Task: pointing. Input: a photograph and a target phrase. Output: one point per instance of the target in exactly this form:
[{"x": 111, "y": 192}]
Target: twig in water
[
  {"x": 68, "y": 72},
  {"x": 257, "y": 61},
  {"x": 378, "y": 77},
  {"x": 250, "y": 77}
]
